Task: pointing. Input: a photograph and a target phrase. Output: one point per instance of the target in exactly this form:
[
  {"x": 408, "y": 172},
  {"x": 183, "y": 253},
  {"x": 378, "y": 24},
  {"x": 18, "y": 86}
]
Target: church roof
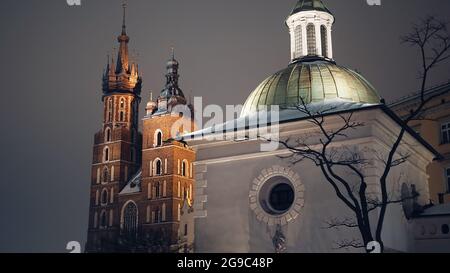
[
  {"x": 292, "y": 114},
  {"x": 305, "y": 5},
  {"x": 313, "y": 81}
]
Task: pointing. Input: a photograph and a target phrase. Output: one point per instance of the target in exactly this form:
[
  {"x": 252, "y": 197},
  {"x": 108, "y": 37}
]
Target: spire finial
[
  {"x": 124, "y": 6},
  {"x": 151, "y": 96},
  {"x": 173, "y": 53}
]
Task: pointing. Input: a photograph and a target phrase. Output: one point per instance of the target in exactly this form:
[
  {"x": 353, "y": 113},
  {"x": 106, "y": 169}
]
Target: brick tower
[
  {"x": 117, "y": 146},
  {"x": 159, "y": 198}
]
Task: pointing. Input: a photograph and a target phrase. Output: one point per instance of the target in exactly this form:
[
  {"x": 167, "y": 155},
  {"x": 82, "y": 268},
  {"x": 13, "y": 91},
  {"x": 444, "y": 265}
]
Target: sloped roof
[{"x": 134, "y": 185}]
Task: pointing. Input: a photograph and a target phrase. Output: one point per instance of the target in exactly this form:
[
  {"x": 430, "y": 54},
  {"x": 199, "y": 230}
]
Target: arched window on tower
[
  {"x": 183, "y": 168},
  {"x": 157, "y": 190},
  {"x": 122, "y": 116},
  {"x": 298, "y": 42},
  {"x": 106, "y": 154},
  {"x": 324, "y": 40},
  {"x": 158, "y": 138},
  {"x": 104, "y": 198},
  {"x": 122, "y": 103},
  {"x": 109, "y": 109},
  {"x": 158, "y": 167},
  {"x": 130, "y": 219},
  {"x": 103, "y": 220},
  {"x": 108, "y": 135},
  {"x": 105, "y": 176},
  {"x": 311, "y": 39}
]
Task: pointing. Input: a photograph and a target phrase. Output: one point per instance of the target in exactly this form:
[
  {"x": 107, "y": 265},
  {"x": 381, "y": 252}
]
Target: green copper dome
[
  {"x": 304, "y": 5},
  {"x": 313, "y": 81}
]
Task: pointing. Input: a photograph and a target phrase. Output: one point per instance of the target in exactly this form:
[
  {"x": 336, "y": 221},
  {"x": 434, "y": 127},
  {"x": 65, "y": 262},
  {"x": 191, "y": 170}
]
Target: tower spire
[
  {"x": 123, "y": 58},
  {"x": 124, "y": 26}
]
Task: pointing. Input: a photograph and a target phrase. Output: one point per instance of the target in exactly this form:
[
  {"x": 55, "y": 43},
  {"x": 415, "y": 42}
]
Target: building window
[
  {"x": 158, "y": 138},
  {"x": 107, "y": 135},
  {"x": 157, "y": 190},
  {"x": 106, "y": 154},
  {"x": 324, "y": 40},
  {"x": 447, "y": 176},
  {"x": 183, "y": 168},
  {"x": 298, "y": 42},
  {"x": 122, "y": 103},
  {"x": 122, "y": 116},
  {"x": 445, "y": 132},
  {"x": 157, "y": 216},
  {"x": 104, "y": 199},
  {"x": 109, "y": 110},
  {"x": 311, "y": 35},
  {"x": 185, "y": 229},
  {"x": 158, "y": 167},
  {"x": 130, "y": 219},
  {"x": 103, "y": 219},
  {"x": 105, "y": 175}
]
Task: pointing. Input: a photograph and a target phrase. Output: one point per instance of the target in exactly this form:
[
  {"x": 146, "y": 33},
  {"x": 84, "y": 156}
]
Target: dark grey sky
[{"x": 52, "y": 57}]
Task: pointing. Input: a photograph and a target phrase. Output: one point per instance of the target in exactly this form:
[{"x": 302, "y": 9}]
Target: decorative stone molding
[
  {"x": 200, "y": 196},
  {"x": 293, "y": 212}
]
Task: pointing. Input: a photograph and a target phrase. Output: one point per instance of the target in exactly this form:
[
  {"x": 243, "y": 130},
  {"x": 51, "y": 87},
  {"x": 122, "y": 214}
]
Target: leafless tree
[{"x": 431, "y": 37}]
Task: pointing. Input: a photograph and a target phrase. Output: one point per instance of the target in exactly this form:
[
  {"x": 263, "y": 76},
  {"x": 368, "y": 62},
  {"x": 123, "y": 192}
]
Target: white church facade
[{"x": 249, "y": 200}]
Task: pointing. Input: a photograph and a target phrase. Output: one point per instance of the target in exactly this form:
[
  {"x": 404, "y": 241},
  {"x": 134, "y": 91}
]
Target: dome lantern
[{"x": 310, "y": 24}]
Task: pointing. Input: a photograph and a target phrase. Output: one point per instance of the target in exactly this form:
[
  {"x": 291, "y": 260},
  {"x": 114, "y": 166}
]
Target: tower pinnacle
[{"x": 124, "y": 6}]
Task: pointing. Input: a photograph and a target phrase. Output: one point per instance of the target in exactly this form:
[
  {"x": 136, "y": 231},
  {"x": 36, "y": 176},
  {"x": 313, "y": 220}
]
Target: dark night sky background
[{"x": 52, "y": 57}]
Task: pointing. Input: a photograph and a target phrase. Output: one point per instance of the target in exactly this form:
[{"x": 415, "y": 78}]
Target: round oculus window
[
  {"x": 277, "y": 195},
  {"x": 281, "y": 197}
]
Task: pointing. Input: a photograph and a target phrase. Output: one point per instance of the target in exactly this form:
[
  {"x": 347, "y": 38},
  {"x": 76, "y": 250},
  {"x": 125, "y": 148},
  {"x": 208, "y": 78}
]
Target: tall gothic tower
[{"x": 116, "y": 153}]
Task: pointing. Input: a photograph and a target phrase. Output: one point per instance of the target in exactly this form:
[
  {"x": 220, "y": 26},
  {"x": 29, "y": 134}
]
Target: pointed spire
[
  {"x": 122, "y": 57},
  {"x": 124, "y": 26},
  {"x": 173, "y": 53}
]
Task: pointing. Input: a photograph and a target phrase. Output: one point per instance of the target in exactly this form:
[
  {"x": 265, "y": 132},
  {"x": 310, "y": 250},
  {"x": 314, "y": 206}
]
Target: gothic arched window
[
  {"x": 103, "y": 220},
  {"x": 122, "y": 103},
  {"x": 109, "y": 109},
  {"x": 157, "y": 190},
  {"x": 311, "y": 39},
  {"x": 158, "y": 138},
  {"x": 122, "y": 116},
  {"x": 183, "y": 168},
  {"x": 106, "y": 154},
  {"x": 107, "y": 135},
  {"x": 324, "y": 40},
  {"x": 130, "y": 218},
  {"x": 105, "y": 177},
  {"x": 298, "y": 42},
  {"x": 104, "y": 198},
  {"x": 158, "y": 167}
]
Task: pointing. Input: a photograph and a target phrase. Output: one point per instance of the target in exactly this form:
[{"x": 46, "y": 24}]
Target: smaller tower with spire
[{"x": 171, "y": 95}]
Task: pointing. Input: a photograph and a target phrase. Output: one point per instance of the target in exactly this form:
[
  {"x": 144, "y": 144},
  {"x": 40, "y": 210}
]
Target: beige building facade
[{"x": 433, "y": 125}]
